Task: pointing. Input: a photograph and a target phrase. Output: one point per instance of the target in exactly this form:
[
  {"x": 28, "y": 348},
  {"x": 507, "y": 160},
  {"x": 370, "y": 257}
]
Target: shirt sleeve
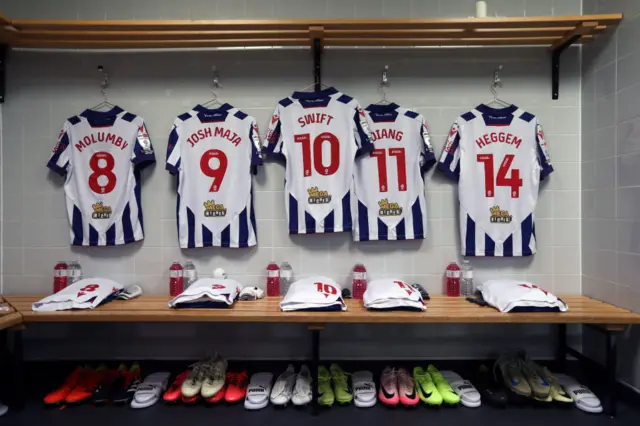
[
  {"x": 256, "y": 155},
  {"x": 61, "y": 155},
  {"x": 274, "y": 143},
  {"x": 364, "y": 140},
  {"x": 543, "y": 153},
  {"x": 143, "y": 154},
  {"x": 173, "y": 150},
  {"x": 427, "y": 157},
  {"x": 449, "y": 163}
]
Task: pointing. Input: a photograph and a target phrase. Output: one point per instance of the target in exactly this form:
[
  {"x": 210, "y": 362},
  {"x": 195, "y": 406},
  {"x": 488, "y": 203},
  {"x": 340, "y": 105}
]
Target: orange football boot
[
  {"x": 175, "y": 390},
  {"x": 87, "y": 384},
  {"x": 219, "y": 396},
  {"x": 191, "y": 400},
  {"x": 236, "y": 386},
  {"x": 70, "y": 382}
]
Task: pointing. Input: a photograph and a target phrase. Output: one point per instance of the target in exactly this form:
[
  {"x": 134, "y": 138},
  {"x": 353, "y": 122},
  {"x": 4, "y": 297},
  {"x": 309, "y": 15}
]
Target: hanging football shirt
[
  {"x": 389, "y": 182},
  {"x": 319, "y": 134},
  {"x": 498, "y": 157},
  {"x": 214, "y": 152},
  {"x": 101, "y": 155}
]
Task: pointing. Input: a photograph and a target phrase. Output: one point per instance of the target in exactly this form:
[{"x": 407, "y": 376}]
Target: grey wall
[
  {"x": 611, "y": 173},
  {"x": 45, "y": 88},
  {"x": 276, "y": 9}
]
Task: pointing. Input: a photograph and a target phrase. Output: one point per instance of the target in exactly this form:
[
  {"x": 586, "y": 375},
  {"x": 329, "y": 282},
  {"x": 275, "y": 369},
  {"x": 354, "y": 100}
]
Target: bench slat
[{"x": 440, "y": 309}]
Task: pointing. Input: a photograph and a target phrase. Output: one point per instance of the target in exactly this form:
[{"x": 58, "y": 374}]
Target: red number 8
[
  {"x": 90, "y": 287},
  {"x": 107, "y": 170}
]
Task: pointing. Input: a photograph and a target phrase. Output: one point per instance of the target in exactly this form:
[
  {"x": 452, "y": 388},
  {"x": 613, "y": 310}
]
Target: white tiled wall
[
  {"x": 611, "y": 155},
  {"x": 611, "y": 174},
  {"x": 45, "y": 88}
]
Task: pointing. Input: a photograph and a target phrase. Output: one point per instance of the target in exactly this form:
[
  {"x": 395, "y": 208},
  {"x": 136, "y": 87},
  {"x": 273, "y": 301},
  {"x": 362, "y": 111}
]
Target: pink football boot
[
  {"x": 406, "y": 389},
  {"x": 388, "y": 394}
]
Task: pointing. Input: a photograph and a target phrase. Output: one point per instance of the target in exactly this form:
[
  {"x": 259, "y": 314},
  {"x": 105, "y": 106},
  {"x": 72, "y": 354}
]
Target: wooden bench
[
  {"x": 440, "y": 310},
  {"x": 9, "y": 317}
]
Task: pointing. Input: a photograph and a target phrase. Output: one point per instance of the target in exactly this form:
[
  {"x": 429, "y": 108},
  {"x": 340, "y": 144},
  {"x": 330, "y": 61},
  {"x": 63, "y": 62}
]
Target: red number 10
[
  {"x": 318, "y": 164},
  {"x": 326, "y": 288},
  {"x": 401, "y": 164},
  {"x": 514, "y": 182}
]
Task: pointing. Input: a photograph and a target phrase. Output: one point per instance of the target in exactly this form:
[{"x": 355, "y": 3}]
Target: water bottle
[
  {"x": 286, "y": 277},
  {"x": 466, "y": 285},
  {"x": 189, "y": 273},
  {"x": 176, "y": 280},
  {"x": 74, "y": 271},
  {"x": 452, "y": 279},
  {"x": 60, "y": 272},
  {"x": 359, "y": 281},
  {"x": 273, "y": 279}
]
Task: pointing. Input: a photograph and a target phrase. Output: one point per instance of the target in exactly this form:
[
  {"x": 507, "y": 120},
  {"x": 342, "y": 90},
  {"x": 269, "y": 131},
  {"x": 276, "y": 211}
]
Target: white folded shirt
[
  {"x": 392, "y": 294},
  {"x": 84, "y": 294},
  {"x": 314, "y": 293},
  {"x": 522, "y": 296},
  {"x": 208, "y": 293}
]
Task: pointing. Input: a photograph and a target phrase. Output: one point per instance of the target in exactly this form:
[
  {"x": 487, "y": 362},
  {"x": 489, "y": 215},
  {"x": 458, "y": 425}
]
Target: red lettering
[{"x": 517, "y": 141}]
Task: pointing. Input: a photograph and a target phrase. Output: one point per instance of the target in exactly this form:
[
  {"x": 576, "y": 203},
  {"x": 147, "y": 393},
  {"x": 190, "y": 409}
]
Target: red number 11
[{"x": 401, "y": 164}]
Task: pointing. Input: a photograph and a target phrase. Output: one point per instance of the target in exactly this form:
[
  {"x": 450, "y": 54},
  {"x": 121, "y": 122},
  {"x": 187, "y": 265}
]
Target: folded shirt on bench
[{"x": 208, "y": 293}]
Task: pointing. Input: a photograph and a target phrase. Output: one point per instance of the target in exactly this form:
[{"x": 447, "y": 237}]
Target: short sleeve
[
  {"x": 543, "y": 153},
  {"x": 449, "y": 163},
  {"x": 61, "y": 155},
  {"x": 427, "y": 157},
  {"x": 364, "y": 140},
  {"x": 256, "y": 156},
  {"x": 173, "y": 151},
  {"x": 273, "y": 144},
  {"x": 143, "y": 154}
]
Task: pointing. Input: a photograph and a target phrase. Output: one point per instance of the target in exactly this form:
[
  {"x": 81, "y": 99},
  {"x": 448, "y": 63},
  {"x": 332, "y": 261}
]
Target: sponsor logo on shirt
[
  {"x": 211, "y": 209},
  {"x": 100, "y": 211},
  {"x": 448, "y": 147},
  {"x": 144, "y": 141},
  {"x": 389, "y": 209},
  {"x": 316, "y": 196},
  {"x": 499, "y": 216}
]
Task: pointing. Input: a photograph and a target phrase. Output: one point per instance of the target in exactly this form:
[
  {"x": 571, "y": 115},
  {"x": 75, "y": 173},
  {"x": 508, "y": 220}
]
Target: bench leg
[
  {"x": 611, "y": 364},
  {"x": 315, "y": 363},
  {"x": 561, "y": 345}
]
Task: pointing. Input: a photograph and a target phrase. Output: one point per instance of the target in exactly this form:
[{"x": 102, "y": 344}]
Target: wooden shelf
[
  {"x": 548, "y": 31},
  {"x": 440, "y": 309}
]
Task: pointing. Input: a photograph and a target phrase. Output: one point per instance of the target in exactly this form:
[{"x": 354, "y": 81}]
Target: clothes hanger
[
  {"x": 384, "y": 82},
  {"x": 497, "y": 82},
  {"x": 103, "y": 88},
  {"x": 313, "y": 85},
  {"x": 215, "y": 84}
]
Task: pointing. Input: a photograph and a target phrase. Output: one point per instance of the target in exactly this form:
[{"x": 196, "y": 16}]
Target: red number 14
[{"x": 514, "y": 182}]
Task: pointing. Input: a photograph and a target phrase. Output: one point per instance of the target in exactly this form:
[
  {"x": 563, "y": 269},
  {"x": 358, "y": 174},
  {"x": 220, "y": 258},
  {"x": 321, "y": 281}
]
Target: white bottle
[
  {"x": 190, "y": 273},
  {"x": 74, "y": 271},
  {"x": 286, "y": 277},
  {"x": 466, "y": 284}
]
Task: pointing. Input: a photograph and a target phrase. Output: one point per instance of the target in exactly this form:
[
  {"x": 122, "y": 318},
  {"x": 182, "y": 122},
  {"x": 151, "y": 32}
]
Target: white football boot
[
  {"x": 283, "y": 388},
  {"x": 302, "y": 389}
]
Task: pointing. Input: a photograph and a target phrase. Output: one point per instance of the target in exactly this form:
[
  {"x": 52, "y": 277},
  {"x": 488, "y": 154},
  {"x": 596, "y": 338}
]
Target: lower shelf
[
  {"x": 42, "y": 377},
  {"x": 34, "y": 413}
]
